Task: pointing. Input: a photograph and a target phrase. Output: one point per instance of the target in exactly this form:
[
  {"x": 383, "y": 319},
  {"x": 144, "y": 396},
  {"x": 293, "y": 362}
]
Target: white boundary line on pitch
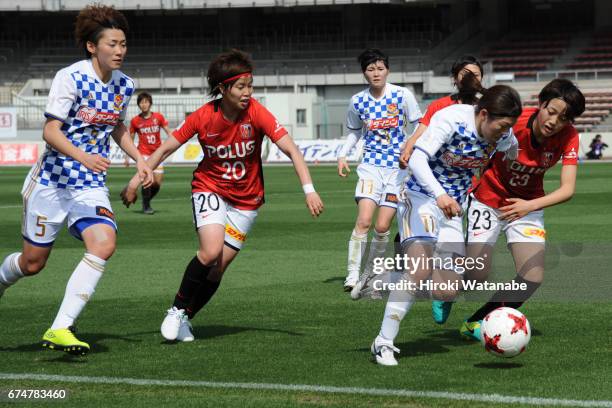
[{"x": 312, "y": 388}]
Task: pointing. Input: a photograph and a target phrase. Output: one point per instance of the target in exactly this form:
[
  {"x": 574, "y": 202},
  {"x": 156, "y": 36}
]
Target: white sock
[
  {"x": 355, "y": 252},
  {"x": 378, "y": 247},
  {"x": 9, "y": 270},
  {"x": 81, "y": 286},
  {"x": 398, "y": 305}
]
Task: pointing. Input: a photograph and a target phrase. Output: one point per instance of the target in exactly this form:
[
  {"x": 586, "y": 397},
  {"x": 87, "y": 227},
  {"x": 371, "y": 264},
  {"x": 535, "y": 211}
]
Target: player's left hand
[
  {"x": 129, "y": 195},
  {"x": 516, "y": 209},
  {"x": 145, "y": 174},
  {"x": 314, "y": 204}
]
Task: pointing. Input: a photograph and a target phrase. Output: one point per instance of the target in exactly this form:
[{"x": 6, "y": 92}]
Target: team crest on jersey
[
  {"x": 118, "y": 102},
  {"x": 547, "y": 158},
  {"x": 246, "y": 131},
  {"x": 392, "y": 110}
]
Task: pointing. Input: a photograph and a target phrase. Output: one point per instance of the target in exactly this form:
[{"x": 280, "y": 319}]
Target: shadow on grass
[
  {"x": 334, "y": 279},
  {"x": 499, "y": 365},
  {"x": 212, "y": 331}
]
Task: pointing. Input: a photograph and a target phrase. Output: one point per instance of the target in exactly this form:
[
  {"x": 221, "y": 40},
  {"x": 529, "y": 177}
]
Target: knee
[
  {"x": 103, "y": 249},
  {"x": 382, "y": 226},
  {"x": 31, "y": 266},
  {"x": 363, "y": 224},
  {"x": 209, "y": 256}
]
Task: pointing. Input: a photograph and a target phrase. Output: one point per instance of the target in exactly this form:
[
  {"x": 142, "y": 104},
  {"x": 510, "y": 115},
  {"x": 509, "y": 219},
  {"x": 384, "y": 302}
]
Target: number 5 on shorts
[{"x": 40, "y": 224}]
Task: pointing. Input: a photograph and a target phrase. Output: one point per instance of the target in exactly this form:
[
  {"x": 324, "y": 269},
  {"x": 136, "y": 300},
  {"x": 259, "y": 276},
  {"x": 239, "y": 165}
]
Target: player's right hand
[
  {"x": 96, "y": 163},
  {"x": 129, "y": 195},
  {"x": 449, "y": 206},
  {"x": 314, "y": 204},
  {"x": 406, "y": 153},
  {"x": 343, "y": 165}
]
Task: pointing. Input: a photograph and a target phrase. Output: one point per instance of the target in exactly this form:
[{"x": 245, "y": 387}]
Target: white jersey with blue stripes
[
  {"x": 89, "y": 110},
  {"x": 456, "y": 151},
  {"x": 382, "y": 123}
]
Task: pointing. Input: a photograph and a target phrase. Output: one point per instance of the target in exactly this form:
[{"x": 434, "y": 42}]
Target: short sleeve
[
  {"x": 506, "y": 142},
  {"x": 133, "y": 125},
  {"x": 570, "y": 148},
  {"x": 431, "y": 110},
  {"x": 61, "y": 96},
  {"x": 188, "y": 128},
  {"x": 353, "y": 121},
  {"x": 162, "y": 120},
  {"x": 411, "y": 107},
  {"x": 269, "y": 124},
  {"x": 438, "y": 133},
  {"x": 123, "y": 113}
]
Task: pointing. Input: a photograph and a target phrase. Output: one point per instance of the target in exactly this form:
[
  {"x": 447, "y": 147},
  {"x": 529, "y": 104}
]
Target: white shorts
[
  {"x": 379, "y": 184},
  {"x": 46, "y": 208},
  {"x": 209, "y": 208},
  {"x": 484, "y": 225},
  {"x": 160, "y": 167},
  {"x": 420, "y": 218}
]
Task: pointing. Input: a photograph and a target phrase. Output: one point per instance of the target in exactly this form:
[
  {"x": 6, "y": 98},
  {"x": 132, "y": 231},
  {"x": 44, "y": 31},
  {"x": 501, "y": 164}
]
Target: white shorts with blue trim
[
  {"x": 46, "y": 209},
  {"x": 210, "y": 208},
  {"x": 379, "y": 184},
  {"x": 420, "y": 218}
]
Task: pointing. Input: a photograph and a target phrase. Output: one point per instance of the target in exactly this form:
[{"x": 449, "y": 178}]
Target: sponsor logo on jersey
[
  {"x": 246, "y": 131},
  {"x": 392, "y": 110},
  {"x": 518, "y": 167},
  {"x": 92, "y": 116},
  {"x": 237, "y": 235},
  {"x": 547, "y": 158},
  {"x": 391, "y": 198},
  {"x": 233, "y": 151},
  {"x": 535, "y": 232},
  {"x": 118, "y": 102},
  {"x": 457, "y": 160},
  {"x": 383, "y": 123},
  {"x": 105, "y": 212}
]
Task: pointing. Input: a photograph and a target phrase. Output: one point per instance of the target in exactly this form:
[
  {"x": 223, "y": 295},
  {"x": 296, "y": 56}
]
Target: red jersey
[
  {"x": 231, "y": 166},
  {"x": 435, "y": 106},
  {"x": 149, "y": 138},
  {"x": 524, "y": 177}
]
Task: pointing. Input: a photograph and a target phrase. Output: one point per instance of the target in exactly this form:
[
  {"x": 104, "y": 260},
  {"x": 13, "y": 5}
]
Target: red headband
[{"x": 230, "y": 79}]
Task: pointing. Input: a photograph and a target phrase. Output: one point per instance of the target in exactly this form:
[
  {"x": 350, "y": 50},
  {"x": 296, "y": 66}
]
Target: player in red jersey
[
  {"x": 510, "y": 196},
  {"x": 147, "y": 125},
  {"x": 227, "y": 186}
]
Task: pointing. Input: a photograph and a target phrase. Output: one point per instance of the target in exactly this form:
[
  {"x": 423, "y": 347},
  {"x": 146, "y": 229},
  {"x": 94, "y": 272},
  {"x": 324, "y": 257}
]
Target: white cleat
[
  {"x": 172, "y": 323},
  {"x": 364, "y": 287},
  {"x": 383, "y": 351},
  {"x": 350, "y": 282},
  {"x": 185, "y": 334}
]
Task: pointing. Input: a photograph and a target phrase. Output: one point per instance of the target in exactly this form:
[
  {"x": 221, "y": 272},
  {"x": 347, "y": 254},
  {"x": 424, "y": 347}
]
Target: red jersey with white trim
[
  {"x": 524, "y": 177},
  {"x": 435, "y": 106},
  {"x": 231, "y": 166},
  {"x": 148, "y": 130}
]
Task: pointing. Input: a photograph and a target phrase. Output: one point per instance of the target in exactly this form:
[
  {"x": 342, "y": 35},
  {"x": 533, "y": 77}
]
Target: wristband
[{"x": 308, "y": 188}]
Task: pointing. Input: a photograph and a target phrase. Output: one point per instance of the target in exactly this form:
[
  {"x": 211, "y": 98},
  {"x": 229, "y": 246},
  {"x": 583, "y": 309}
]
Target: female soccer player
[
  {"x": 227, "y": 186},
  {"x": 512, "y": 198},
  {"x": 457, "y": 143},
  {"x": 87, "y": 106},
  {"x": 147, "y": 125},
  {"x": 380, "y": 115}
]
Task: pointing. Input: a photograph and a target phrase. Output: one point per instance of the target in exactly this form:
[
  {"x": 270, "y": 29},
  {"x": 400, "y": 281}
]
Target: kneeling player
[{"x": 512, "y": 199}]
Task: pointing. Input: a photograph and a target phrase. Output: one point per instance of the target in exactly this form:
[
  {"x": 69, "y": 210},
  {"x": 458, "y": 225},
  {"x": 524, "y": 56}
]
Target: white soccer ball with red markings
[{"x": 505, "y": 332}]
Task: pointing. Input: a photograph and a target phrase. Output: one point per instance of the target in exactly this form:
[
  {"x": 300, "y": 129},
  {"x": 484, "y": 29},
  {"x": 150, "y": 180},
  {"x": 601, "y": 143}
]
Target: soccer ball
[{"x": 505, "y": 332}]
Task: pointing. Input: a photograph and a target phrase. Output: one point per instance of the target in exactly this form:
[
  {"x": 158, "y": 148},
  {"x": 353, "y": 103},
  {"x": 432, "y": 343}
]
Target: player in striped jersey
[
  {"x": 457, "y": 144},
  {"x": 86, "y": 107},
  {"x": 380, "y": 115}
]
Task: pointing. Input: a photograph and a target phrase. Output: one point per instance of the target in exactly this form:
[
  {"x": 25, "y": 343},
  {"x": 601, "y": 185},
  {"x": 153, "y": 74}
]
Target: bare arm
[
  {"x": 409, "y": 146},
  {"x": 121, "y": 135},
  {"x": 313, "y": 201},
  {"x": 519, "y": 207}
]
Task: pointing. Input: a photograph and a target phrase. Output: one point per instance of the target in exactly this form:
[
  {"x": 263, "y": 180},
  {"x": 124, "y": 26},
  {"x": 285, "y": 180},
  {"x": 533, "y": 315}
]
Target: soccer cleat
[
  {"x": 64, "y": 340},
  {"x": 363, "y": 288},
  {"x": 471, "y": 330},
  {"x": 148, "y": 211},
  {"x": 184, "y": 333},
  {"x": 350, "y": 282},
  {"x": 172, "y": 323},
  {"x": 440, "y": 310},
  {"x": 383, "y": 350}
]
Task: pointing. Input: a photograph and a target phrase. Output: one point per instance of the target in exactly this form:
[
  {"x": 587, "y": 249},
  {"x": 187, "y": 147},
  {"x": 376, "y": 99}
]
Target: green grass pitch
[{"x": 280, "y": 316}]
